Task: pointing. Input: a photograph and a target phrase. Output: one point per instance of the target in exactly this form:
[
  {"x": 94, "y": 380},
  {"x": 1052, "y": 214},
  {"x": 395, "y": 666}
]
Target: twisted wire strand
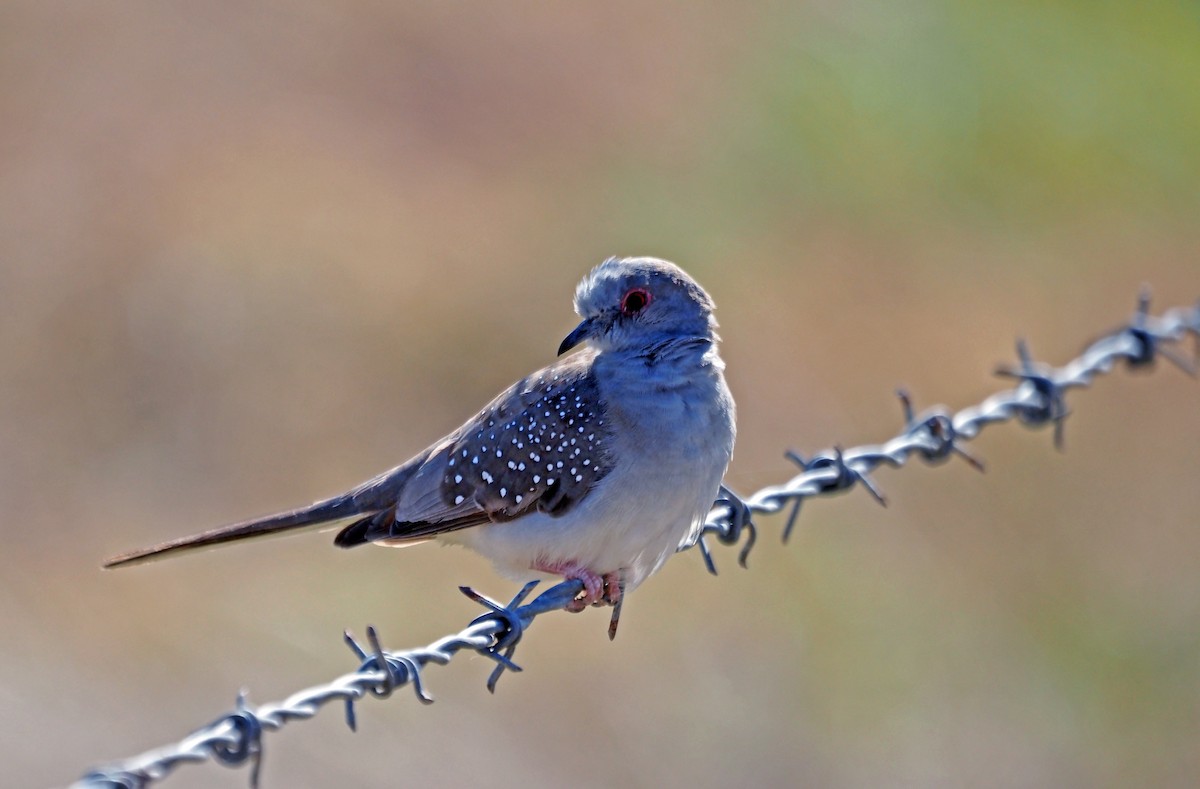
[
  {"x": 932, "y": 436},
  {"x": 936, "y": 435}
]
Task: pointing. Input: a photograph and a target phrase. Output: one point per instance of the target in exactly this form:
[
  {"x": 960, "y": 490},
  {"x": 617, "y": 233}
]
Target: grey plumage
[
  {"x": 541, "y": 445},
  {"x": 596, "y": 467}
]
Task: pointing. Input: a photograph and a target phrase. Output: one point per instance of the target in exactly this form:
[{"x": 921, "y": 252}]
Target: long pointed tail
[
  {"x": 294, "y": 520},
  {"x": 370, "y": 497}
]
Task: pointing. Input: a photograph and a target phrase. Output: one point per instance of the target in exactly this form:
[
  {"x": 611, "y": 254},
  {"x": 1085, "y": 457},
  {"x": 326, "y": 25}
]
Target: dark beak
[{"x": 581, "y": 333}]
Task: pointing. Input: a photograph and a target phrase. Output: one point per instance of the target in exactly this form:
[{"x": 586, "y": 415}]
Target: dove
[{"x": 596, "y": 468}]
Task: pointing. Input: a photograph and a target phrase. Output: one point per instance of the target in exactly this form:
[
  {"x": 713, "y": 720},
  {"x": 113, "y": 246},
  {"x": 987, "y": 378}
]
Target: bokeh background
[{"x": 251, "y": 255}]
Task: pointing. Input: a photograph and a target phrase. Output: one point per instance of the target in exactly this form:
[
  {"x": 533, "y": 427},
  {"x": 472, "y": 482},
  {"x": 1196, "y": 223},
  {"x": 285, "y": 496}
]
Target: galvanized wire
[
  {"x": 933, "y": 436},
  {"x": 937, "y": 434}
]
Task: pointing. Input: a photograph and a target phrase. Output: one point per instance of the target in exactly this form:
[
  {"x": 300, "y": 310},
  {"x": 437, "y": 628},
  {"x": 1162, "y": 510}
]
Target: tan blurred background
[{"x": 252, "y": 255}]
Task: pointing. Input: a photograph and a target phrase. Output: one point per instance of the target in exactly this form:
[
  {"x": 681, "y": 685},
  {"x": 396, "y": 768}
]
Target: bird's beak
[{"x": 581, "y": 333}]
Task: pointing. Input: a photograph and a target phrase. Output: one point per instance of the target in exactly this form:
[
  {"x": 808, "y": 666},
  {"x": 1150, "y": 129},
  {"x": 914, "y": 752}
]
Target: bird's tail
[
  {"x": 370, "y": 497},
  {"x": 316, "y": 514}
]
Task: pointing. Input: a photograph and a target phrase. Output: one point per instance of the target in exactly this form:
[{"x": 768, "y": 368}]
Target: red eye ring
[{"x": 634, "y": 301}]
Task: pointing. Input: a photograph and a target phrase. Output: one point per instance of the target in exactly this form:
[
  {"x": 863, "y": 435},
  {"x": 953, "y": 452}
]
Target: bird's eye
[{"x": 634, "y": 301}]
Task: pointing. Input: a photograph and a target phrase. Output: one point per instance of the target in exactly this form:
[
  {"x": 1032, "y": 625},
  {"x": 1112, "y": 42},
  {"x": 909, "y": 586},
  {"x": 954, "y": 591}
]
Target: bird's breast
[
  {"x": 681, "y": 415},
  {"x": 670, "y": 433}
]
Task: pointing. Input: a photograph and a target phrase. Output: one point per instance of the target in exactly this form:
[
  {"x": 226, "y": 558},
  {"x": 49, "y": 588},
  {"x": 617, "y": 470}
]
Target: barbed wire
[{"x": 933, "y": 436}]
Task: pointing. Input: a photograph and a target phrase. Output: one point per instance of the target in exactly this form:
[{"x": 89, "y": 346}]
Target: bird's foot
[
  {"x": 614, "y": 593},
  {"x": 613, "y": 589},
  {"x": 598, "y": 589}
]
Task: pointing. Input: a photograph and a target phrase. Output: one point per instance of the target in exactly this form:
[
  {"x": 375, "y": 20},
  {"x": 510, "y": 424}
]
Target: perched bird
[{"x": 595, "y": 468}]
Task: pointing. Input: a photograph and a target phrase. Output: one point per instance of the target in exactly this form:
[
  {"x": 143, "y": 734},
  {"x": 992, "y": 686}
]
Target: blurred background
[{"x": 250, "y": 256}]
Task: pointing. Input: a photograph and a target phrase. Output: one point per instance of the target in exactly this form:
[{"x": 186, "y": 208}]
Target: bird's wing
[{"x": 538, "y": 447}]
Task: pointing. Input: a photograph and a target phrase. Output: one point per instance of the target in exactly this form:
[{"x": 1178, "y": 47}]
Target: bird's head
[{"x": 631, "y": 303}]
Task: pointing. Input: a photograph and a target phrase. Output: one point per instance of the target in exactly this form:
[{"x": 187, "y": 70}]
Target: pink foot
[
  {"x": 612, "y": 589},
  {"x": 597, "y": 589}
]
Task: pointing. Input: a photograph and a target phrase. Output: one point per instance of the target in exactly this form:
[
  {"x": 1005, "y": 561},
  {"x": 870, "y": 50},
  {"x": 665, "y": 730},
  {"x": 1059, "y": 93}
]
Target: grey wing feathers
[{"x": 541, "y": 445}]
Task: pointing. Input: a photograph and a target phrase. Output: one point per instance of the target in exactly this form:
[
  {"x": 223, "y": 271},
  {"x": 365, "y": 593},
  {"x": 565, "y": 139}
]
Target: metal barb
[
  {"x": 238, "y": 735},
  {"x": 907, "y": 406},
  {"x": 796, "y": 458},
  {"x": 351, "y": 718},
  {"x": 1147, "y": 343},
  {"x": 938, "y": 426},
  {"x": 378, "y": 661},
  {"x": 706, "y": 553},
  {"x": 512, "y": 627},
  {"x": 799, "y": 460},
  {"x": 398, "y": 668},
  {"x": 740, "y": 519},
  {"x": 1050, "y": 405},
  {"x": 791, "y": 519},
  {"x": 1150, "y": 346},
  {"x": 847, "y": 475},
  {"x": 248, "y": 745}
]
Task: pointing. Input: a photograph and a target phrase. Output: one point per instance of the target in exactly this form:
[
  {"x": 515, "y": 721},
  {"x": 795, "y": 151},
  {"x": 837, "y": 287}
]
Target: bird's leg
[
  {"x": 614, "y": 593},
  {"x": 613, "y": 589},
  {"x": 593, "y": 584}
]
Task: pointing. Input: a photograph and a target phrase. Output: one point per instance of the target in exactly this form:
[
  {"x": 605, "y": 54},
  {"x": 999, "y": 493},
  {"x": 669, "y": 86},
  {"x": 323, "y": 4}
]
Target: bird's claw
[{"x": 598, "y": 590}]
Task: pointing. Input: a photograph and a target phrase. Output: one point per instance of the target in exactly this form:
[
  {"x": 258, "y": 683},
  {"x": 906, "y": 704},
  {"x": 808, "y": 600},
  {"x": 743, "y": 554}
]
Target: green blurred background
[{"x": 252, "y": 255}]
